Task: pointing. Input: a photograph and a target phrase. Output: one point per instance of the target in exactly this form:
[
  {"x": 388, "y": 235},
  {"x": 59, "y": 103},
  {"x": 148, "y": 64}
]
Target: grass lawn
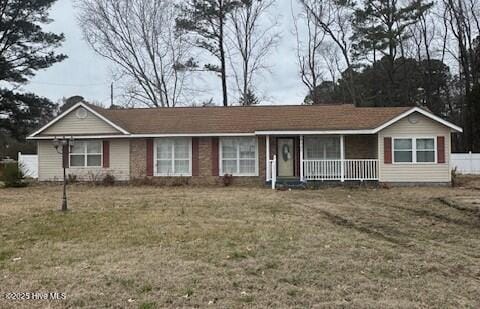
[{"x": 152, "y": 247}]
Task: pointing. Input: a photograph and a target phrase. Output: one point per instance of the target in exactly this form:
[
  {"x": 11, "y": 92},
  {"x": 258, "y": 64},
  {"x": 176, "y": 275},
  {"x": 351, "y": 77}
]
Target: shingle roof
[{"x": 184, "y": 120}]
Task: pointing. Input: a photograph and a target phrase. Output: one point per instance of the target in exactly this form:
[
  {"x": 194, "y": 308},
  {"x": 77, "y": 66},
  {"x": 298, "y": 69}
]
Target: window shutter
[
  {"x": 66, "y": 156},
  {"x": 195, "y": 157},
  {"x": 149, "y": 157},
  {"x": 441, "y": 149},
  {"x": 215, "y": 168},
  {"x": 106, "y": 154},
  {"x": 387, "y": 150}
]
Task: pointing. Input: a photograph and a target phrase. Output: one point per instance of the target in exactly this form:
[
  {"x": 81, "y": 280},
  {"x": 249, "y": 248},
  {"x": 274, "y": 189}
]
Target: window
[
  {"x": 414, "y": 150},
  {"x": 322, "y": 148},
  {"x": 238, "y": 156},
  {"x": 403, "y": 151},
  {"x": 173, "y": 157},
  {"x": 86, "y": 154},
  {"x": 425, "y": 150}
]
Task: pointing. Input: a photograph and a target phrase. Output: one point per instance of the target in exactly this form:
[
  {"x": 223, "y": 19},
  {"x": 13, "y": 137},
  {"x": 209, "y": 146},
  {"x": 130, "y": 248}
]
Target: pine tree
[
  {"x": 206, "y": 20},
  {"x": 25, "y": 48},
  {"x": 380, "y": 27}
]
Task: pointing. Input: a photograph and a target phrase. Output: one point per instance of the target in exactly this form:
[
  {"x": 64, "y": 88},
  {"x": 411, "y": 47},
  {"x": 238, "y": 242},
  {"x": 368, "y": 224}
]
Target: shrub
[
  {"x": 227, "y": 179},
  {"x": 71, "y": 178},
  {"x": 454, "y": 177},
  {"x": 13, "y": 176},
  {"x": 108, "y": 180}
]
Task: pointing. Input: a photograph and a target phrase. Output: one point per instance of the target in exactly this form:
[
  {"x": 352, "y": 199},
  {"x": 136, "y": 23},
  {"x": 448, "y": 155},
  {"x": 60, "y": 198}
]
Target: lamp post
[{"x": 62, "y": 146}]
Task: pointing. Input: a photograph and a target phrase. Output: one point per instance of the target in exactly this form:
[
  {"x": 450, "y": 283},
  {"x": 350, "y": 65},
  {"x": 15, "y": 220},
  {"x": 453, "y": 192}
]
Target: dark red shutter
[
  {"x": 387, "y": 150},
  {"x": 66, "y": 156},
  {"x": 441, "y": 149},
  {"x": 215, "y": 169},
  {"x": 149, "y": 157},
  {"x": 106, "y": 154},
  {"x": 195, "y": 157}
]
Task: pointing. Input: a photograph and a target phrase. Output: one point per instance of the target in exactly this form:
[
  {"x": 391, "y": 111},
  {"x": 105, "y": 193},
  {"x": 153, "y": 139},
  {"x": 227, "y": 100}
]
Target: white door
[{"x": 285, "y": 157}]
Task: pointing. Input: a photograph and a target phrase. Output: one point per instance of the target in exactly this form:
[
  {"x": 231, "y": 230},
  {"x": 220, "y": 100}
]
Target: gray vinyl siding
[
  {"x": 425, "y": 127},
  {"x": 50, "y": 163},
  {"x": 71, "y": 124}
]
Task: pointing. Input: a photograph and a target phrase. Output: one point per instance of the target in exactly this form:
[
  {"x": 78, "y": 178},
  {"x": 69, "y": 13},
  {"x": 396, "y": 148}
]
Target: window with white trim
[
  {"x": 86, "y": 154},
  {"x": 322, "y": 147},
  {"x": 238, "y": 156},
  {"x": 173, "y": 156},
  {"x": 414, "y": 150}
]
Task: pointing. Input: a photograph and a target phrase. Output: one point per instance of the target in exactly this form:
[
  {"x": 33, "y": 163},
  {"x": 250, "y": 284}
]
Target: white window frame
[
  {"x": 86, "y": 154},
  {"x": 220, "y": 156},
  {"x": 308, "y": 142},
  {"x": 414, "y": 149},
  {"x": 170, "y": 140}
]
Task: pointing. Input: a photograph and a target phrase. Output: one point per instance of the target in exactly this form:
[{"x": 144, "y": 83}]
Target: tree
[
  {"x": 23, "y": 112},
  {"x": 25, "y": 48},
  {"x": 325, "y": 93},
  {"x": 310, "y": 39},
  {"x": 334, "y": 19},
  {"x": 249, "y": 98},
  {"x": 253, "y": 37},
  {"x": 206, "y": 21},
  {"x": 139, "y": 38},
  {"x": 462, "y": 18},
  {"x": 380, "y": 26}
]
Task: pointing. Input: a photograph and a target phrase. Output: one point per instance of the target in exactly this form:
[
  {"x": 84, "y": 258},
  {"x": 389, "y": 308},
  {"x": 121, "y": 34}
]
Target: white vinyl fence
[
  {"x": 466, "y": 163},
  {"x": 29, "y": 164}
]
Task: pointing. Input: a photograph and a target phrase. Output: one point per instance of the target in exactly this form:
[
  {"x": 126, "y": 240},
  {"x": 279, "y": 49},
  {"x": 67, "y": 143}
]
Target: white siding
[
  {"x": 414, "y": 172},
  {"x": 50, "y": 163},
  {"x": 71, "y": 124}
]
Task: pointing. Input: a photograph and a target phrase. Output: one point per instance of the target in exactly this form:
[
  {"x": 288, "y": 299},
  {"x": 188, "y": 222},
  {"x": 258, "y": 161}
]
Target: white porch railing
[
  {"x": 272, "y": 171},
  {"x": 340, "y": 169}
]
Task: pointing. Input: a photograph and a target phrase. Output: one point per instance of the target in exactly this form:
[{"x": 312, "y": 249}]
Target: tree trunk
[{"x": 222, "y": 58}]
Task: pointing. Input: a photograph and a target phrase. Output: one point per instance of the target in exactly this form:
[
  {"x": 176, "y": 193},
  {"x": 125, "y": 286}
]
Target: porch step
[{"x": 289, "y": 183}]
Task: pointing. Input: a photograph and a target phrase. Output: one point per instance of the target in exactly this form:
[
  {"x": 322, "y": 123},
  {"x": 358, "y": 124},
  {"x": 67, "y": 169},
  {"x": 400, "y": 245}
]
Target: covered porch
[{"x": 330, "y": 157}]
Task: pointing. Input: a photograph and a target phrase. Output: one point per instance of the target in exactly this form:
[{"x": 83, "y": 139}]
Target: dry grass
[{"x": 242, "y": 247}]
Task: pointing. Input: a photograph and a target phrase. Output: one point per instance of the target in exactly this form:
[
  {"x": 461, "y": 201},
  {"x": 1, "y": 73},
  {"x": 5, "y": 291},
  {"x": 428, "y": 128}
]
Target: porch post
[
  {"x": 342, "y": 158},
  {"x": 301, "y": 158},
  {"x": 267, "y": 158}
]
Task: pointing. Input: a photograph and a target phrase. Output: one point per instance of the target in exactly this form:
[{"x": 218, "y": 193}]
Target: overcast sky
[{"x": 89, "y": 75}]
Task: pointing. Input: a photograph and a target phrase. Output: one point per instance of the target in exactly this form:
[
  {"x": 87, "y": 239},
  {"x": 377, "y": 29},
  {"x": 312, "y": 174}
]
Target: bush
[
  {"x": 71, "y": 178},
  {"x": 227, "y": 179},
  {"x": 13, "y": 176},
  {"x": 108, "y": 180}
]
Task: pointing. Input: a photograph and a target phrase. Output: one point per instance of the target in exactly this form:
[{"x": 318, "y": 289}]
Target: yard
[{"x": 153, "y": 247}]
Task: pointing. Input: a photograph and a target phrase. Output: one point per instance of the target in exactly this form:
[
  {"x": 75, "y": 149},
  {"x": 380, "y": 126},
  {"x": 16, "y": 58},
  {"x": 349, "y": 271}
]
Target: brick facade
[
  {"x": 138, "y": 164},
  {"x": 361, "y": 147},
  {"x": 356, "y": 147},
  {"x": 138, "y": 158}
]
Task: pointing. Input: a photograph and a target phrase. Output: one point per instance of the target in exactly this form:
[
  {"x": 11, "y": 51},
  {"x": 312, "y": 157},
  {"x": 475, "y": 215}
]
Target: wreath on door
[{"x": 286, "y": 152}]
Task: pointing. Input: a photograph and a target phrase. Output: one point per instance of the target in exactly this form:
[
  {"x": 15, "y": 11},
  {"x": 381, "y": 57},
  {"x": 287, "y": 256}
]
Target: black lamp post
[{"x": 63, "y": 146}]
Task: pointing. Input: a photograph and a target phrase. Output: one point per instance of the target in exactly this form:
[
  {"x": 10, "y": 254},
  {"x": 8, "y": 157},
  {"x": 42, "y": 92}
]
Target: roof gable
[
  {"x": 423, "y": 112},
  {"x": 74, "y": 121}
]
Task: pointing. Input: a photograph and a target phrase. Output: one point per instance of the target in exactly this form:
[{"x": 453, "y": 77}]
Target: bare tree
[
  {"x": 334, "y": 19},
  {"x": 309, "y": 37},
  {"x": 252, "y": 36},
  {"x": 139, "y": 37},
  {"x": 463, "y": 19}
]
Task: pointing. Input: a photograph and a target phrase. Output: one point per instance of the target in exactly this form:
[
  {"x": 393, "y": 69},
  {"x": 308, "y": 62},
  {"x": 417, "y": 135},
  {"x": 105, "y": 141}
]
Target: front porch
[{"x": 306, "y": 158}]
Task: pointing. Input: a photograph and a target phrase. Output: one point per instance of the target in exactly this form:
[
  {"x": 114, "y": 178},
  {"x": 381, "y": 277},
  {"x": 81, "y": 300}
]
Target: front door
[{"x": 285, "y": 157}]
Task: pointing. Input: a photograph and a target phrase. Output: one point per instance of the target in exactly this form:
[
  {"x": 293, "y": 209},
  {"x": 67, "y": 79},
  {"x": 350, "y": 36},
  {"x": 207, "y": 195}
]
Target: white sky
[{"x": 89, "y": 75}]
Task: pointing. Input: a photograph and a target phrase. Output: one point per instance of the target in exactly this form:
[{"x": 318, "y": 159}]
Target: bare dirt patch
[{"x": 148, "y": 247}]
